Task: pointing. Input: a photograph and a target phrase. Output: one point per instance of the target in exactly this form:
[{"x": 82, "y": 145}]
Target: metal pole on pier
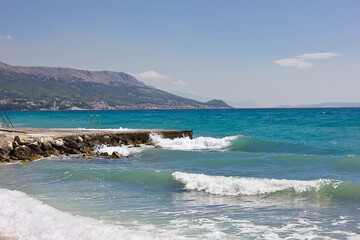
[
  {"x": 99, "y": 120},
  {"x": 94, "y": 118}
]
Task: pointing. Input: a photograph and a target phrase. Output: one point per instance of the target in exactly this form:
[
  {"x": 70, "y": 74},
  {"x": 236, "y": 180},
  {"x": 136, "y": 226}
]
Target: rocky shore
[{"x": 29, "y": 144}]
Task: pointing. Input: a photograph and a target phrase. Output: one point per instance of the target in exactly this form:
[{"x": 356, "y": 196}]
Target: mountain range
[
  {"x": 53, "y": 88},
  {"x": 324, "y": 105}
]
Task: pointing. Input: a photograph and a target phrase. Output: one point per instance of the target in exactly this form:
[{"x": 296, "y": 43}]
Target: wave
[
  {"x": 245, "y": 186},
  {"x": 23, "y": 217},
  {"x": 135, "y": 178},
  {"x": 123, "y": 150},
  {"x": 257, "y": 145},
  {"x": 230, "y": 143},
  {"x": 251, "y": 144},
  {"x": 199, "y": 143},
  {"x": 239, "y": 143}
]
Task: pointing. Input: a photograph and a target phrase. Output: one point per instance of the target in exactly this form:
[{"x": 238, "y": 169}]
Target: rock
[
  {"x": 85, "y": 149},
  {"x": 106, "y": 140},
  {"x": 73, "y": 144},
  {"x": 58, "y": 142},
  {"x": 8, "y": 147},
  {"x": 46, "y": 146},
  {"x": 62, "y": 149},
  {"x": 3, "y": 154},
  {"x": 79, "y": 139},
  {"x": 46, "y": 139},
  {"x": 25, "y": 161},
  {"x": 116, "y": 155},
  {"x": 21, "y": 140},
  {"x": 48, "y": 153},
  {"x": 87, "y": 155},
  {"x": 158, "y": 147},
  {"x": 116, "y": 138},
  {"x": 87, "y": 138},
  {"x": 23, "y": 152},
  {"x": 129, "y": 142},
  {"x": 137, "y": 142},
  {"x": 36, "y": 148},
  {"x": 105, "y": 154},
  {"x": 35, "y": 157},
  {"x": 91, "y": 144},
  {"x": 15, "y": 144},
  {"x": 73, "y": 151},
  {"x": 137, "y": 145},
  {"x": 5, "y": 160}
]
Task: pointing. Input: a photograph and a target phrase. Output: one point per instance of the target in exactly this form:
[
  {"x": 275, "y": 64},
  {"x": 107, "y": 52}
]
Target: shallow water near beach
[{"x": 247, "y": 174}]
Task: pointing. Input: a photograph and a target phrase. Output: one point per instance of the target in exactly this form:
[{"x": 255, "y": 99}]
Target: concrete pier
[{"x": 34, "y": 143}]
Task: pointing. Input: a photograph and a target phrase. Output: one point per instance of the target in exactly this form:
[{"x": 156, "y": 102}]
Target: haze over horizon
[{"x": 272, "y": 53}]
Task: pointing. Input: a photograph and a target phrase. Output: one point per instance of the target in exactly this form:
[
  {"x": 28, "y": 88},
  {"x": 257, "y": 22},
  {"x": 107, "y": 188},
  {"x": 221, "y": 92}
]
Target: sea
[{"x": 246, "y": 174}]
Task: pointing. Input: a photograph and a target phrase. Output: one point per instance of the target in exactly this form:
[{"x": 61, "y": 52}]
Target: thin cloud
[
  {"x": 180, "y": 83},
  {"x": 318, "y": 55},
  {"x": 302, "y": 61},
  {"x": 8, "y": 37},
  {"x": 149, "y": 75},
  {"x": 294, "y": 62}
]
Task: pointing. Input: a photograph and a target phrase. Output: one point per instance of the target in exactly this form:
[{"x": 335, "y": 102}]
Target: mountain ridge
[
  {"x": 54, "y": 88},
  {"x": 324, "y": 105}
]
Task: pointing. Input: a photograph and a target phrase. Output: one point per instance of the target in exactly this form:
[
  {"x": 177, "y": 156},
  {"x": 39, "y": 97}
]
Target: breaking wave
[
  {"x": 23, "y": 217},
  {"x": 238, "y": 143},
  {"x": 123, "y": 150},
  {"x": 243, "y": 186},
  {"x": 230, "y": 143},
  {"x": 187, "y": 144}
]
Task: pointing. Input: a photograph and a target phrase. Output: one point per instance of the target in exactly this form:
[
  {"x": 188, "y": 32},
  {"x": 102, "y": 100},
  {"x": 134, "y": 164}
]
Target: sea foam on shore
[{"x": 23, "y": 217}]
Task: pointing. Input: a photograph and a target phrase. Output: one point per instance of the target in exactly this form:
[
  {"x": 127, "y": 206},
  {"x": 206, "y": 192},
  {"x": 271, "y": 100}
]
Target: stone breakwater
[{"x": 28, "y": 144}]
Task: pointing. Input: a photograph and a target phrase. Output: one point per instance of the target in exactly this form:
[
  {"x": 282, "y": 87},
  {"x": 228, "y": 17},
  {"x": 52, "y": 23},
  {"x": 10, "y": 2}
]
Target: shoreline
[
  {"x": 28, "y": 144},
  {"x": 182, "y": 109}
]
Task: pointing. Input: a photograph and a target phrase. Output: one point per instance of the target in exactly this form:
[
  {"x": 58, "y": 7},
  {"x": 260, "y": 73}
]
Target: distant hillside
[
  {"x": 218, "y": 103},
  {"x": 331, "y": 105},
  {"x": 325, "y": 105},
  {"x": 41, "y": 88}
]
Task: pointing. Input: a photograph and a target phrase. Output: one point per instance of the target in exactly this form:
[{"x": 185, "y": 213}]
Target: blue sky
[{"x": 234, "y": 50}]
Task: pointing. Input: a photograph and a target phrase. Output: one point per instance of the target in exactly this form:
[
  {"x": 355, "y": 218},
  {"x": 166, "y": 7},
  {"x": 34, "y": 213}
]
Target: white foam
[
  {"x": 199, "y": 143},
  {"x": 123, "y": 150},
  {"x": 23, "y": 217},
  {"x": 298, "y": 228},
  {"x": 233, "y": 186}
]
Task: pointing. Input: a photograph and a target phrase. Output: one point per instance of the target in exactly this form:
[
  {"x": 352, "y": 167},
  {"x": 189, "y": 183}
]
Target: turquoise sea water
[{"x": 247, "y": 174}]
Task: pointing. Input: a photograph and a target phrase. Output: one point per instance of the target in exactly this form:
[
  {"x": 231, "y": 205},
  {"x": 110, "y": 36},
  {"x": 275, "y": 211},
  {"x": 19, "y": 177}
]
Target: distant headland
[{"x": 53, "y": 88}]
